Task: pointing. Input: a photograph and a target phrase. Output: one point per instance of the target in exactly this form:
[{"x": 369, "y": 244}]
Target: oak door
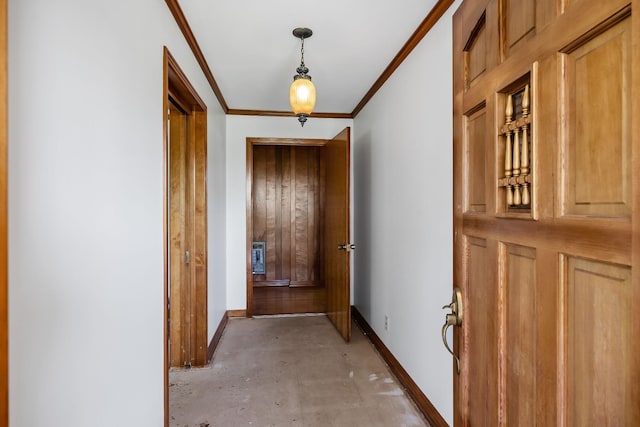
[
  {"x": 336, "y": 242},
  {"x": 187, "y": 254},
  {"x": 179, "y": 273},
  {"x": 546, "y": 212}
]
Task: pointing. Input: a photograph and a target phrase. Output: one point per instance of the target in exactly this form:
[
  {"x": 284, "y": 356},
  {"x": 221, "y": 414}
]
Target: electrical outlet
[{"x": 386, "y": 323}]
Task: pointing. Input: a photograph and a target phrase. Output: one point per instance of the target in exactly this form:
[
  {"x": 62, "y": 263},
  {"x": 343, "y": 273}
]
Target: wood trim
[
  {"x": 423, "y": 29},
  {"x": 165, "y": 234},
  {"x": 270, "y": 283},
  {"x": 4, "y": 251},
  {"x": 635, "y": 248},
  {"x": 273, "y": 113},
  {"x": 422, "y": 402},
  {"x": 249, "y": 204},
  {"x": 288, "y": 141},
  {"x": 181, "y": 20},
  {"x": 236, "y": 314},
  {"x": 612, "y": 243},
  {"x": 287, "y": 284},
  {"x": 176, "y": 85},
  {"x": 180, "y": 91},
  {"x": 215, "y": 340},
  {"x": 306, "y": 284},
  {"x": 200, "y": 242},
  {"x": 432, "y": 18}
]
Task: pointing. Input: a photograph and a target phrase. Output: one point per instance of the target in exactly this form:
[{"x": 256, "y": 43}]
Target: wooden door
[
  {"x": 179, "y": 273},
  {"x": 546, "y": 212},
  {"x": 336, "y": 232},
  {"x": 186, "y": 221},
  {"x": 187, "y": 242}
]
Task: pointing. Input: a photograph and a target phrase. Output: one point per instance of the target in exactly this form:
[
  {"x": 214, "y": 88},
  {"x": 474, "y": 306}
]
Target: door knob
[
  {"x": 453, "y": 319},
  {"x": 347, "y": 247}
]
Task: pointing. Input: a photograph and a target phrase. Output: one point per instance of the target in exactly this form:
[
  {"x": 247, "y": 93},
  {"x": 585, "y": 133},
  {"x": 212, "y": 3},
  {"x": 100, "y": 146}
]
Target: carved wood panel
[
  {"x": 515, "y": 149},
  {"x": 476, "y": 142},
  {"x": 475, "y": 52},
  {"x": 599, "y": 338},
  {"x": 520, "y": 17},
  {"x": 598, "y": 103},
  {"x": 481, "y": 314},
  {"x": 520, "y": 340}
]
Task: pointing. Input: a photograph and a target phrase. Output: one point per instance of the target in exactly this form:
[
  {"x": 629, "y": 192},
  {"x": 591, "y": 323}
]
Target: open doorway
[
  {"x": 298, "y": 246},
  {"x": 185, "y": 222}
]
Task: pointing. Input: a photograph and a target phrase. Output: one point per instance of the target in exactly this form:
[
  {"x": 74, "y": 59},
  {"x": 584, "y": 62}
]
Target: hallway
[{"x": 290, "y": 371}]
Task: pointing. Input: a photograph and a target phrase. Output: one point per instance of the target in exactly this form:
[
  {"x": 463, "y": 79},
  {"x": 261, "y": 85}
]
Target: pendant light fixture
[{"x": 302, "y": 93}]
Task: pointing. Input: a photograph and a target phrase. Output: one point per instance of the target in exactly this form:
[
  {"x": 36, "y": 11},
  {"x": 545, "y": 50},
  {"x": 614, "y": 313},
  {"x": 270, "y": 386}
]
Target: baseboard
[
  {"x": 236, "y": 313},
  {"x": 422, "y": 402},
  {"x": 216, "y": 337},
  {"x": 229, "y": 314}
]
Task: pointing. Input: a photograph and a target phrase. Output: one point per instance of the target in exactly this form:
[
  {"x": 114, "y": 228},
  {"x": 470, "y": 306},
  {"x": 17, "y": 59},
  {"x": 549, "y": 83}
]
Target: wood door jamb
[
  {"x": 251, "y": 142},
  {"x": 177, "y": 86}
]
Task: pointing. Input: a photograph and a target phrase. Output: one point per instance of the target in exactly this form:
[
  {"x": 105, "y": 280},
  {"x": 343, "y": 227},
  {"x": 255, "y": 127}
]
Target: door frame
[
  {"x": 251, "y": 142},
  {"x": 176, "y": 85}
]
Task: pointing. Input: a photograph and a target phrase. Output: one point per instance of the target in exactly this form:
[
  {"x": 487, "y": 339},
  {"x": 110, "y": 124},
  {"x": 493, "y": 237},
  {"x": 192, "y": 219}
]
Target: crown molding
[
  {"x": 423, "y": 29},
  {"x": 273, "y": 113},
  {"x": 432, "y": 18},
  {"x": 181, "y": 20}
]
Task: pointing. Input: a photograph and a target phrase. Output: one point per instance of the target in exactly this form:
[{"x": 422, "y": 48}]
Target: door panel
[
  {"x": 477, "y": 149},
  {"x": 596, "y": 78},
  {"x": 599, "y": 333},
  {"x": 336, "y": 232},
  {"x": 546, "y": 204},
  {"x": 179, "y": 275},
  {"x": 520, "y": 355},
  {"x": 481, "y": 289}
]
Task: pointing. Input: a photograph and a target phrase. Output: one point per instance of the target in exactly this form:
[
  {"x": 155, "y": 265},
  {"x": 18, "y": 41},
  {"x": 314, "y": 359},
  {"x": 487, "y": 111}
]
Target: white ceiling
[{"x": 253, "y": 55}]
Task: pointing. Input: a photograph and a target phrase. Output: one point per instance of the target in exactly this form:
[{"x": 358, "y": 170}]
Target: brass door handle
[
  {"x": 446, "y": 345},
  {"x": 453, "y": 319}
]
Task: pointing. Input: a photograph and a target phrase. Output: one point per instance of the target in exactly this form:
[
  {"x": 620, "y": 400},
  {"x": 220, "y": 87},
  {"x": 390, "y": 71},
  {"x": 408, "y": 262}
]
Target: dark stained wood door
[
  {"x": 546, "y": 212},
  {"x": 336, "y": 232}
]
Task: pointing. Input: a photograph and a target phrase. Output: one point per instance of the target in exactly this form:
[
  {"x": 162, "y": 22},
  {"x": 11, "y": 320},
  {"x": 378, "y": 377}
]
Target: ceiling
[{"x": 252, "y": 54}]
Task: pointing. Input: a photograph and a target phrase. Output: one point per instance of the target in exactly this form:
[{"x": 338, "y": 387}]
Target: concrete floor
[{"x": 290, "y": 371}]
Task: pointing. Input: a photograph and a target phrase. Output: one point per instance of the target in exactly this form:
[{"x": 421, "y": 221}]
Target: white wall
[
  {"x": 239, "y": 128},
  {"x": 403, "y": 212},
  {"x": 85, "y": 209}
]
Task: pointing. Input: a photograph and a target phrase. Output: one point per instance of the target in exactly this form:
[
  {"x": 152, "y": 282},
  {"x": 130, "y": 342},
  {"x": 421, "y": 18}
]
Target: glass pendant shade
[{"x": 302, "y": 96}]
